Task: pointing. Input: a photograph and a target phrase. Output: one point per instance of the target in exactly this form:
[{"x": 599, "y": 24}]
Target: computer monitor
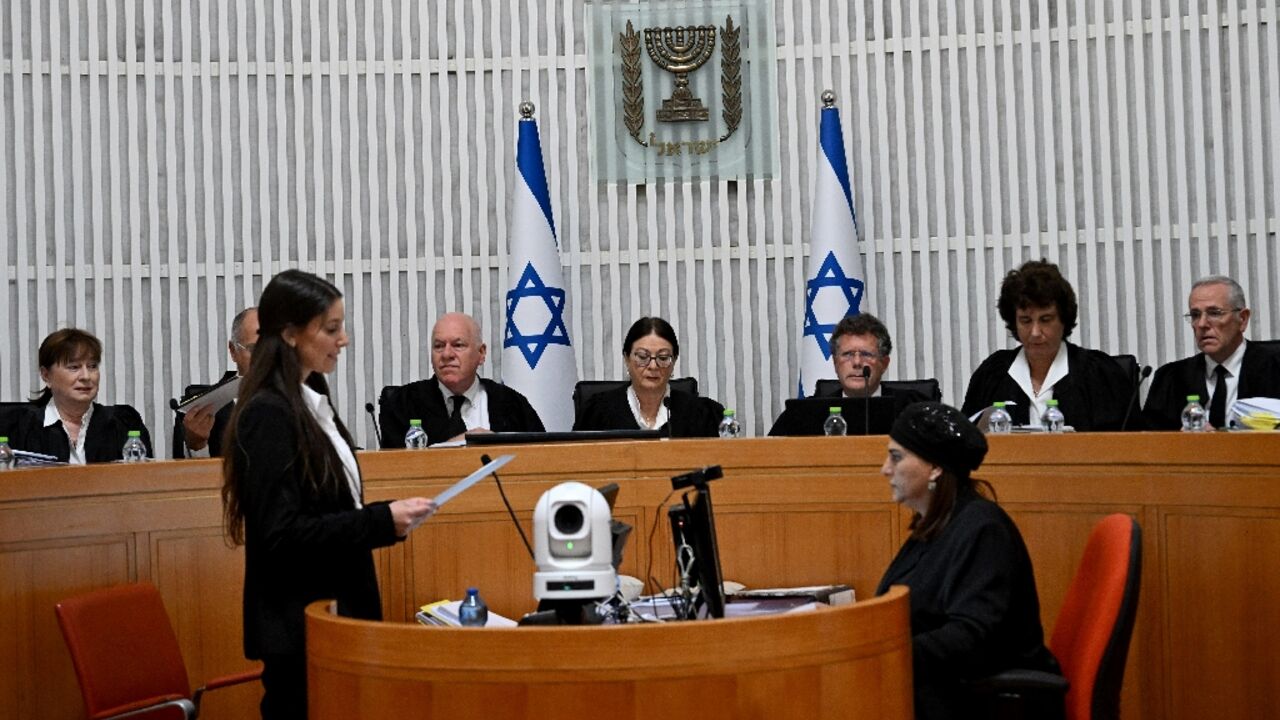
[{"x": 693, "y": 528}]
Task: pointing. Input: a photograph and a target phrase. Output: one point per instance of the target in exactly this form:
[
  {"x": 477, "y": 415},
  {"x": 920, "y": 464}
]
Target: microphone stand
[
  {"x": 1133, "y": 399},
  {"x": 866, "y": 403},
  {"x": 377, "y": 431}
]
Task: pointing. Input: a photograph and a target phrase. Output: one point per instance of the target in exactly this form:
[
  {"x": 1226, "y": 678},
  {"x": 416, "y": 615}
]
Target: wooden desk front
[
  {"x": 789, "y": 511},
  {"x": 841, "y": 663}
]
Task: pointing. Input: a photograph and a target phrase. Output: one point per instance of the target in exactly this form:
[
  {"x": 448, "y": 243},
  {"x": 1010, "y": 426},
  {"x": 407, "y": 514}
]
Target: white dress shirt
[
  {"x": 51, "y": 416},
  {"x": 475, "y": 411},
  {"x": 658, "y": 420},
  {"x": 1020, "y": 371},
  {"x": 1234, "y": 364},
  {"x": 322, "y": 411}
]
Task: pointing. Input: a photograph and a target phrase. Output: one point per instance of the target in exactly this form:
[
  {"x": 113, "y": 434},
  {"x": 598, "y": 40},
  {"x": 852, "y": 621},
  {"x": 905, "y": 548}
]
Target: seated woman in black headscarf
[
  {"x": 650, "y": 351},
  {"x": 1039, "y": 307},
  {"x": 974, "y": 607},
  {"x": 64, "y": 420}
]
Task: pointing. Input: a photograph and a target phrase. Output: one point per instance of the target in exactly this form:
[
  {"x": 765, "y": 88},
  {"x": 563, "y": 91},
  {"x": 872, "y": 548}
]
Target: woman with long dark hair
[
  {"x": 974, "y": 606},
  {"x": 292, "y": 491}
]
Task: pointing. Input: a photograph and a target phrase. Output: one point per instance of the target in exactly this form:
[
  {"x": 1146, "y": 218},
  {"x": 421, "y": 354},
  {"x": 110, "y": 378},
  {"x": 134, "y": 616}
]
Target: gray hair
[
  {"x": 237, "y": 324},
  {"x": 1236, "y": 294}
]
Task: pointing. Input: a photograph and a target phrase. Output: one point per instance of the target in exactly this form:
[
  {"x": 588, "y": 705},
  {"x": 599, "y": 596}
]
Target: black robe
[
  {"x": 974, "y": 606},
  {"x": 792, "y": 423},
  {"x": 108, "y": 430},
  {"x": 1093, "y": 396},
  {"x": 690, "y": 415},
  {"x": 1173, "y": 382},
  {"x": 509, "y": 411},
  {"x": 221, "y": 420}
]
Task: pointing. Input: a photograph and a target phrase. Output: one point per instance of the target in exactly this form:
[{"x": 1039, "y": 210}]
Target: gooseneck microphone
[
  {"x": 866, "y": 403},
  {"x": 1133, "y": 399},
  {"x": 485, "y": 459},
  {"x": 377, "y": 431}
]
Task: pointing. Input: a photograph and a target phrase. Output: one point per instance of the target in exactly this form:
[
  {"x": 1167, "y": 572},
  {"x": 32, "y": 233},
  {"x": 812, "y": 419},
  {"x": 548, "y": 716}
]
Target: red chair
[
  {"x": 1091, "y": 637},
  {"x": 127, "y": 657}
]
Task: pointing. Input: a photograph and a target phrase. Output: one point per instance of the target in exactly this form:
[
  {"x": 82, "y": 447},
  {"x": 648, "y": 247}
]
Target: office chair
[
  {"x": 127, "y": 657},
  {"x": 585, "y": 389},
  {"x": 927, "y": 387},
  {"x": 1129, "y": 365},
  {"x": 1090, "y": 638}
]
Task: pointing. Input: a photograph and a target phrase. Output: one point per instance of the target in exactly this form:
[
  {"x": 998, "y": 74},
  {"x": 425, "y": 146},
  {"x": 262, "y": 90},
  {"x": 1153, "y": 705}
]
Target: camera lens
[{"x": 568, "y": 519}]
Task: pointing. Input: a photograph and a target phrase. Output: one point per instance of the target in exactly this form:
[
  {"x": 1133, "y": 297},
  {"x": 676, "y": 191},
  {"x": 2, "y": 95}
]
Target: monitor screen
[
  {"x": 521, "y": 438},
  {"x": 693, "y": 529}
]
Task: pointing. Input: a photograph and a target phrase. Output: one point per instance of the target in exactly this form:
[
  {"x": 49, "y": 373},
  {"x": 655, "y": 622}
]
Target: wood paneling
[{"x": 794, "y": 510}]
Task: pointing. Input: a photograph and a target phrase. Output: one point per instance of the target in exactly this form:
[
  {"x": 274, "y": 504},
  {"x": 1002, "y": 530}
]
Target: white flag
[
  {"x": 537, "y": 357},
  {"x": 834, "y": 281}
]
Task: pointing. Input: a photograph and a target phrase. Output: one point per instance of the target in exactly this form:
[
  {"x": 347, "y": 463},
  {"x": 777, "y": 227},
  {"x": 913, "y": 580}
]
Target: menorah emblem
[{"x": 681, "y": 50}]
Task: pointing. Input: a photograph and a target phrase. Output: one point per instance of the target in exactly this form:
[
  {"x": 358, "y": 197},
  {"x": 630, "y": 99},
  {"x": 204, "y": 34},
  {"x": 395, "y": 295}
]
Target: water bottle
[
  {"x": 7, "y": 459},
  {"x": 1194, "y": 418},
  {"x": 999, "y": 422},
  {"x": 473, "y": 612},
  {"x": 835, "y": 424},
  {"x": 729, "y": 426},
  {"x": 134, "y": 451},
  {"x": 1052, "y": 419},
  {"x": 416, "y": 438}
]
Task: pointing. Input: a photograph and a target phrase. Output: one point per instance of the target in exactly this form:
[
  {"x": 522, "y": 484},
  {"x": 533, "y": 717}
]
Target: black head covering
[{"x": 941, "y": 435}]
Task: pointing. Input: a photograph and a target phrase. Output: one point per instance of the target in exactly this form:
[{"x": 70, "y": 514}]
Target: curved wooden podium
[{"x": 847, "y": 662}]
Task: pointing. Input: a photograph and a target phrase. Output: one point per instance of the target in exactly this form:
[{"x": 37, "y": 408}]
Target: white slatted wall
[{"x": 161, "y": 160}]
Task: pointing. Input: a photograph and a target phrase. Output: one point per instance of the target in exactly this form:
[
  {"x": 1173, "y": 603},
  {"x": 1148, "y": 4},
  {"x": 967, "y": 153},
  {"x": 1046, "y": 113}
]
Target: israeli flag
[
  {"x": 537, "y": 357},
  {"x": 834, "y": 281}
]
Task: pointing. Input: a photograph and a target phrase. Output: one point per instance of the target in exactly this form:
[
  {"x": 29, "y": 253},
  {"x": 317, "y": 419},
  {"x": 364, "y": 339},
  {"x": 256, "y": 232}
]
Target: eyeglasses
[
  {"x": 1214, "y": 315},
  {"x": 642, "y": 358},
  {"x": 865, "y": 356},
  {"x": 244, "y": 348}
]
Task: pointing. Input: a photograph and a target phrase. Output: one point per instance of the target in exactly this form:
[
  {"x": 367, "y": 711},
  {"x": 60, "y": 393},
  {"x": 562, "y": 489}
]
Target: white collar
[
  {"x": 1020, "y": 371},
  {"x": 314, "y": 400},
  {"x": 663, "y": 416},
  {"x": 51, "y": 415},
  {"x": 470, "y": 393},
  {"x": 1234, "y": 363}
]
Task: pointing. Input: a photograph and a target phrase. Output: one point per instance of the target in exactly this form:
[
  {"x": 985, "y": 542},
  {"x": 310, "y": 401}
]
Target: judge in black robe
[
  {"x": 109, "y": 427},
  {"x": 689, "y": 415},
  {"x": 509, "y": 411}
]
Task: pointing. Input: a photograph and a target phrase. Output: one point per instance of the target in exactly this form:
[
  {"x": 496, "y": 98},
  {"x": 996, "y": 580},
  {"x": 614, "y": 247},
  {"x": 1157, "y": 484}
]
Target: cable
[{"x": 485, "y": 459}]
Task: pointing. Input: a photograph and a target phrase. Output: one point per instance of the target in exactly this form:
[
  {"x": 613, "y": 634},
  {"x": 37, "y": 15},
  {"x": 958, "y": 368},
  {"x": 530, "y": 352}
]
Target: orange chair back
[
  {"x": 123, "y": 648},
  {"x": 1091, "y": 636}
]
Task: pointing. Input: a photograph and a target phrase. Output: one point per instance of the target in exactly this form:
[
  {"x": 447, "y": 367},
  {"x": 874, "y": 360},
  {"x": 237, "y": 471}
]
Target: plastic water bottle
[
  {"x": 835, "y": 424},
  {"x": 416, "y": 438},
  {"x": 473, "y": 612},
  {"x": 729, "y": 426},
  {"x": 134, "y": 451},
  {"x": 999, "y": 422},
  {"x": 1194, "y": 418},
  {"x": 7, "y": 459},
  {"x": 1052, "y": 419}
]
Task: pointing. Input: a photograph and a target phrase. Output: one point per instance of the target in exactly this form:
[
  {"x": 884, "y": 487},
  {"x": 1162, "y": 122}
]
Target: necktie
[
  {"x": 1218, "y": 404},
  {"x": 455, "y": 417}
]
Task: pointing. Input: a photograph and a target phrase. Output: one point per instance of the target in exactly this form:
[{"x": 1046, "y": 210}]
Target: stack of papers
[
  {"x": 444, "y": 613},
  {"x": 1254, "y": 414}
]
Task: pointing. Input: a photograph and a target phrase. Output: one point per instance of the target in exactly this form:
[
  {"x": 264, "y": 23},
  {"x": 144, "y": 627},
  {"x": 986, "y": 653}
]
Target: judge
[
  {"x": 198, "y": 433},
  {"x": 1039, "y": 307},
  {"x": 455, "y": 401},
  {"x": 648, "y": 402},
  {"x": 65, "y": 420},
  {"x": 859, "y": 344}
]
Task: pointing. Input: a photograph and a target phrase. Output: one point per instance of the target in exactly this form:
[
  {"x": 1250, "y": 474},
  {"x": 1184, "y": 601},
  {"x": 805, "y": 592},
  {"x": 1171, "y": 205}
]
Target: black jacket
[
  {"x": 108, "y": 429},
  {"x": 509, "y": 411},
  {"x": 1092, "y": 396},
  {"x": 792, "y": 423},
  {"x": 299, "y": 547},
  {"x": 1173, "y": 382},
  {"x": 690, "y": 415},
  {"x": 974, "y": 607}
]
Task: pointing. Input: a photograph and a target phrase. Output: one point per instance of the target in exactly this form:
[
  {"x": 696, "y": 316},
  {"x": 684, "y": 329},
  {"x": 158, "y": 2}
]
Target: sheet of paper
[
  {"x": 215, "y": 398},
  {"x": 472, "y": 479}
]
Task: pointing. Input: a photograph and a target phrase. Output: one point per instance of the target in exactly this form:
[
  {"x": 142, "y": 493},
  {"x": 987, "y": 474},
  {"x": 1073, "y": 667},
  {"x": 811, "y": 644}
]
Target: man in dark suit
[
  {"x": 1226, "y": 368},
  {"x": 858, "y": 341},
  {"x": 198, "y": 433},
  {"x": 455, "y": 400}
]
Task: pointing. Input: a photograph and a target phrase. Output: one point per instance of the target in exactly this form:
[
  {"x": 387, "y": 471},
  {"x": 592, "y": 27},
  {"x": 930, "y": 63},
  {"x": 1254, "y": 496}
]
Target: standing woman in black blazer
[
  {"x": 292, "y": 491},
  {"x": 65, "y": 420},
  {"x": 650, "y": 351}
]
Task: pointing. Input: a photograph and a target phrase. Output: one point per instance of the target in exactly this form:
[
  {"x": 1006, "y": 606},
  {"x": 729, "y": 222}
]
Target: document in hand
[
  {"x": 215, "y": 398},
  {"x": 475, "y": 477}
]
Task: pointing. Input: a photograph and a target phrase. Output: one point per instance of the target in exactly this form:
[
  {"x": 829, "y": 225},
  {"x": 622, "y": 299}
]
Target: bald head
[{"x": 457, "y": 351}]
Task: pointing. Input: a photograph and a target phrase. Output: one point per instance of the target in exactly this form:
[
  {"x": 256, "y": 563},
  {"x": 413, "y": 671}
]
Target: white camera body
[{"x": 573, "y": 545}]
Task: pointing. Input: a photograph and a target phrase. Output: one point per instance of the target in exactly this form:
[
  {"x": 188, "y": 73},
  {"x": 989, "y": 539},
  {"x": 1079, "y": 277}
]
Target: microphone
[
  {"x": 377, "y": 431},
  {"x": 866, "y": 402},
  {"x": 666, "y": 403},
  {"x": 1133, "y": 399},
  {"x": 485, "y": 459}
]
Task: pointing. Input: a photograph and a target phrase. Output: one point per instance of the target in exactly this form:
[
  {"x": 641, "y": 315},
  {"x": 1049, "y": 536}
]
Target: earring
[{"x": 933, "y": 485}]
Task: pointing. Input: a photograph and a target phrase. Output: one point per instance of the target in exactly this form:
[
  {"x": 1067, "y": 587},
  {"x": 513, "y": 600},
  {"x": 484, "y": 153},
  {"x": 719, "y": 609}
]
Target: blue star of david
[
  {"x": 532, "y": 346},
  {"x": 829, "y": 275}
]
